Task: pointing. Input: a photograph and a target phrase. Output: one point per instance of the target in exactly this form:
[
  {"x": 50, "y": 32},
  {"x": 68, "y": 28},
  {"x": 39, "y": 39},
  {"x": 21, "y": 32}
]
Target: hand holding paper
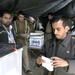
[{"x": 47, "y": 64}]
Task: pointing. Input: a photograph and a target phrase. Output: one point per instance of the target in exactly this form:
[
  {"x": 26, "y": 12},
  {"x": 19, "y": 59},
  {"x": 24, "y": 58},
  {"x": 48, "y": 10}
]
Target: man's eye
[
  {"x": 58, "y": 29},
  {"x": 5, "y": 18}
]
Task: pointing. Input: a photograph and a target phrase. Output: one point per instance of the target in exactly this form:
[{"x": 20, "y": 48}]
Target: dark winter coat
[
  {"x": 4, "y": 35},
  {"x": 66, "y": 51}
]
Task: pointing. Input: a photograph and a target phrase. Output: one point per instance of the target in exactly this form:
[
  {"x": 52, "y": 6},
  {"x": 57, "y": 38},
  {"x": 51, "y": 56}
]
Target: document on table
[{"x": 47, "y": 64}]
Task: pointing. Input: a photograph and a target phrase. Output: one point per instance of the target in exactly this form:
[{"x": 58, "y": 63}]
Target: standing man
[
  {"x": 21, "y": 32},
  {"x": 48, "y": 31},
  {"x": 61, "y": 49},
  {"x": 7, "y": 34}
]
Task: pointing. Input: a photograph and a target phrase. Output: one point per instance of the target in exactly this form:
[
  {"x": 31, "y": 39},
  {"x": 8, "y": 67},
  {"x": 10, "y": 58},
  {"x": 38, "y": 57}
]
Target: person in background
[
  {"x": 60, "y": 49},
  {"x": 31, "y": 23},
  {"x": 7, "y": 33},
  {"x": 22, "y": 31},
  {"x": 34, "y": 24},
  {"x": 48, "y": 31},
  {"x": 39, "y": 25}
]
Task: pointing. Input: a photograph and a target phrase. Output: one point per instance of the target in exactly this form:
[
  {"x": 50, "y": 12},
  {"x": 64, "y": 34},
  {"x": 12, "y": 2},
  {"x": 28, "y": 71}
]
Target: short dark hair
[
  {"x": 50, "y": 13},
  {"x": 65, "y": 20},
  {"x": 21, "y": 12},
  {"x": 6, "y": 12}
]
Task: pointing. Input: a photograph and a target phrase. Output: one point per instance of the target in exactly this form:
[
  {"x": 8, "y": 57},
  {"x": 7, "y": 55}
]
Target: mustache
[{"x": 56, "y": 35}]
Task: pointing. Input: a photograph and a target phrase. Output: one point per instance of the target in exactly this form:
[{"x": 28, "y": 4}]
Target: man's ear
[{"x": 67, "y": 28}]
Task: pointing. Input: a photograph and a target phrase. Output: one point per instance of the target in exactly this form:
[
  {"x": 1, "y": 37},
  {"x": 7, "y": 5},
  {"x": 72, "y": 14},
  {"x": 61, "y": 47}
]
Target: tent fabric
[{"x": 39, "y": 7}]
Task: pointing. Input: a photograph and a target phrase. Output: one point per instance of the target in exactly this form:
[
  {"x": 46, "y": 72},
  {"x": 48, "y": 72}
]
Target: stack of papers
[
  {"x": 47, "y": 64},
  {"x": 35, "y": 34}
]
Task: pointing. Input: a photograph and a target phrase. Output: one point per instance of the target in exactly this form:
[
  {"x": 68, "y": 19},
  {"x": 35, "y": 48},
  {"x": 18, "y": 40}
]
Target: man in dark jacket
[
  {"x": 7, "y": 34},
  {"x": 61, "y": 49}
]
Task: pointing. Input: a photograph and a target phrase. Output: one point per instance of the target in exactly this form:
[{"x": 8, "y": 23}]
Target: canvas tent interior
[{"x": 40, "y": 7}]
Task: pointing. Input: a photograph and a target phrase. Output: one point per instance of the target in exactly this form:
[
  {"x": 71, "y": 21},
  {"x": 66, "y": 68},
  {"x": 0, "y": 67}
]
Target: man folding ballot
[{"x": 61, "y": 49}]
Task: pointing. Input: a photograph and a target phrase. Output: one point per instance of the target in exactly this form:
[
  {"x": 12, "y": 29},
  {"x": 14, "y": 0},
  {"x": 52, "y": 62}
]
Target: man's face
[
  {"x": 21, "y": 17},
  {"x": 50, "y": 17},
  {"x": 6, "y": 19},
  {"x": 59, "y": 30},
  {"x": 31, "y": 22}
]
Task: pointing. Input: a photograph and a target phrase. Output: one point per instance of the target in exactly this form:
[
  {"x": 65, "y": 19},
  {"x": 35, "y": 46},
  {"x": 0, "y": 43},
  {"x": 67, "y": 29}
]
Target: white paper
[
  {"x": 35, "y": 34},
  {"x": 47, "y": 64}
]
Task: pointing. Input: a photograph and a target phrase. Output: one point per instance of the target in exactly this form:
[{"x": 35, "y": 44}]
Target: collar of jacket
[
  {"x": 65, "y": 42},
  {"x": 1, "y": 26}
]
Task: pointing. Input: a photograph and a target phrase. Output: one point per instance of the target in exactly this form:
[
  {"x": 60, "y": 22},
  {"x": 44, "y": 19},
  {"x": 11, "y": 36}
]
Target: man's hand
[
  {"x": 39, "y": 60},
  {"x": 23, "y": 35},
  {"x": 59, "y": 62}
]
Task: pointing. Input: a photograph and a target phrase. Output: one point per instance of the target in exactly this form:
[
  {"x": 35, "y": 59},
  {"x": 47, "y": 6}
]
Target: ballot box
[
  {"x": 36, "y": 40},
  {"x": 10, "y": 60}
]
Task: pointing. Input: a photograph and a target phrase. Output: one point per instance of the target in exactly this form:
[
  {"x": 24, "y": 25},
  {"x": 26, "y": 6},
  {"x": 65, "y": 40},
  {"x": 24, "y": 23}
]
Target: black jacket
[
  {"x": 66, "y": 51},
  {"x": 4, "y": 35}
]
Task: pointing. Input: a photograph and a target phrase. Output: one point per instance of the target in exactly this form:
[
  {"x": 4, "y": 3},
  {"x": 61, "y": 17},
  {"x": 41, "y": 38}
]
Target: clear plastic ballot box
[
  {"x": 10, "y": 60},
  {"x": 36, "y": 40}
]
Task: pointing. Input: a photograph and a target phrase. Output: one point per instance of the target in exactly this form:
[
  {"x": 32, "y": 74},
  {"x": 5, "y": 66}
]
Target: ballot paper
[{"x": 47, "y": 64}]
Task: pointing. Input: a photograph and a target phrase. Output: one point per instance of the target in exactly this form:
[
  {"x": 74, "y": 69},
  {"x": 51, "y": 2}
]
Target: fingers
[
  {"x": 56, "y": 63},
  {"x": 39, "y": 60},
  {"x": 59, "y": 62},
  {"x": 53, "y": 58}
]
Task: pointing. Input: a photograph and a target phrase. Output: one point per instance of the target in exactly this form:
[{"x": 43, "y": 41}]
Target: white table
[{"x": 11, "y": 64}]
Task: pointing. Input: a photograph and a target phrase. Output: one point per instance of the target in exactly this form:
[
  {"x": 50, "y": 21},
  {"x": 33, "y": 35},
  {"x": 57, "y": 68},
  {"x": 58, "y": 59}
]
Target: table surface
[{"x": 6, "y": 48}]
